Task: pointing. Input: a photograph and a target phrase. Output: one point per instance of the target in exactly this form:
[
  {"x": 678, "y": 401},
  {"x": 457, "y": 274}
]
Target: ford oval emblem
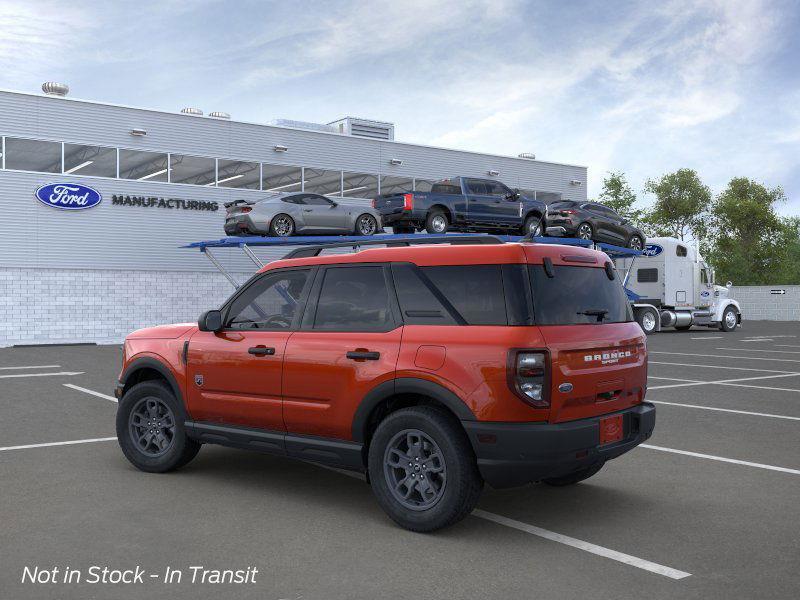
[
  {"x": 565, "y": 388},
  {"x": 68, "y": 196},
  {"x": 652, "y": 250},
  {"x": 705, "y": 294}
]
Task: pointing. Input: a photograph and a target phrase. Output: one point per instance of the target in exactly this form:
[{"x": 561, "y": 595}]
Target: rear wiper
[{"x": 600, "y": 313}]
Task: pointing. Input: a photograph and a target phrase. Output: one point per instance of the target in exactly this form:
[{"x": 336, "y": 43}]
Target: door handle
[
  {"x": 308, "y": 210},
  {"x": 363, "y": 355},
  {"x": 261, "y": 351}
]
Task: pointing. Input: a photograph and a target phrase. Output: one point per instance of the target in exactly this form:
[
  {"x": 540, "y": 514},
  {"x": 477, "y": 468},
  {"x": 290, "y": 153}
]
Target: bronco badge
[{"x": 198, "y": 379}]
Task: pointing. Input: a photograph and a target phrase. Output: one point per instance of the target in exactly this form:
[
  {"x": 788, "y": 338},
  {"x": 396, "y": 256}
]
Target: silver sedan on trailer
[{"x": 304, "y": 213}]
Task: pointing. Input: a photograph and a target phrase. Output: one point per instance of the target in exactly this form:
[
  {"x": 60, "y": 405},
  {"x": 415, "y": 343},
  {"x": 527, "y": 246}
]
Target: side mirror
[
  {"x": 334, "y": 204},
  {"x": 729, "y": 285},
  {"x": 211, "y": 320}
]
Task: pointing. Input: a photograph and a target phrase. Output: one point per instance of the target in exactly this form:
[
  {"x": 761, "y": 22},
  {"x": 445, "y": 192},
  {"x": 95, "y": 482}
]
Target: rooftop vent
[
  {"x": 219, "y": 115},
  {"x": 303, "y": 125},
  {"x": 377, "y": 130},
  {"x": 51, "y": 88},
  {"x": 192, "y": 111},
  {"x": 527, "y": 155}
]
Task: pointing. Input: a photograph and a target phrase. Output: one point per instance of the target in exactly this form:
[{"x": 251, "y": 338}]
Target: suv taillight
[
  {"x": 246, "y": 209},
  {"x": 408, "y": 201},
  {"x": 527, "y": 376},
  {"x": 568, "y": 212},
  {"x": 374, "y": 201}
]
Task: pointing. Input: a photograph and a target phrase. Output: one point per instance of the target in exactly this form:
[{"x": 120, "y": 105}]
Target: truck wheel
[
  {"x": 729, "y": 321},
  {"x": 150, "y": 428},
  {"x": 575, "y": 477},
  {"x": 585, "y": 231},
  {"x": 647, "y": 321},
  {"x": 423, "y": 470},
  {"x": 436, "y": 222},
  {"x": 281, "y": 226},
  {"x": 533, "y": 227}
]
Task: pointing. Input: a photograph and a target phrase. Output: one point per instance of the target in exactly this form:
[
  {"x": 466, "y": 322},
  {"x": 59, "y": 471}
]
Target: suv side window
[
  {"x": 272, "y": 302},
  {"x": 418, "y": 302},
  {"x": 354, "y": 299},
  {"x": 476, "y": 291}
]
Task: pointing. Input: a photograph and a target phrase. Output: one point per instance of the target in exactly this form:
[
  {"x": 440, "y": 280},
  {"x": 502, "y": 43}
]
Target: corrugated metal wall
[{"x": 120, "y": 237}]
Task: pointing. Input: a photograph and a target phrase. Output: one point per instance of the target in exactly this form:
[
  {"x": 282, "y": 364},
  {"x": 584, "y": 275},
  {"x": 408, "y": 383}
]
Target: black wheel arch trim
[
  {"x": 406, "y": 385},
  {"x": 148, "y": 362}
]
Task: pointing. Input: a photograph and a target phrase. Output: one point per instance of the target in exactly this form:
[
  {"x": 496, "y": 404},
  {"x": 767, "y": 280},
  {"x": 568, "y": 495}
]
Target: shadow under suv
[{"x": 433, "y": 369}]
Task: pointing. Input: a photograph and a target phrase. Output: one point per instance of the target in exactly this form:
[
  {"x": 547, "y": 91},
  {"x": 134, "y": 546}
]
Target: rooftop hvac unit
[
  {"x": 527, "y": 155},
  {"x": 303, "y": 125},
  {"x": 219, "y": 115},
  {"x": 377, "y": 130},
  {"x": 192, "y": 111},
  {"x": 51, "y": 88}
]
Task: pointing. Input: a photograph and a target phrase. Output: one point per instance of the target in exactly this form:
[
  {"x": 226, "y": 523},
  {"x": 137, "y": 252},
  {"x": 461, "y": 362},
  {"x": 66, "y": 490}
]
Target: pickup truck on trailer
[
  {"x": 463, "y": 204},
  {"x": 672, "y": 286}
]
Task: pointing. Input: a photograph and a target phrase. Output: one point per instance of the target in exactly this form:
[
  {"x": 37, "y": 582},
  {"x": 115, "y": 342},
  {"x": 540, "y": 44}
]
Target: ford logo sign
[
  {"x": 68, "y": 196},
  {"x": 705, "y": 294},
  {"x": 652, "y": 250}
]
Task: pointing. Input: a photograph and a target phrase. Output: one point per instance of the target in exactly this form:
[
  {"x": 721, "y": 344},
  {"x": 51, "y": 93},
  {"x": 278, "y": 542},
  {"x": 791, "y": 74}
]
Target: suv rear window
[{"x": 566, "y": 298}]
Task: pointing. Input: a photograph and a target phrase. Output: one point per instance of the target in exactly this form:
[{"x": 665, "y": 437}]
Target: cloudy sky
[{"x": 642, "y": 87}]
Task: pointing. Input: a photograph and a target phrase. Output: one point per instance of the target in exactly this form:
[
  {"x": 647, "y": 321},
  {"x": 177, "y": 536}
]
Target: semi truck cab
[{"x": 674, "y": 287}]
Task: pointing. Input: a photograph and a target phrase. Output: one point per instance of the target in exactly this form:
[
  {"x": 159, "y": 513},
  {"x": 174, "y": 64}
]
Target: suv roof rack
[{"x": 395, "y": 241}]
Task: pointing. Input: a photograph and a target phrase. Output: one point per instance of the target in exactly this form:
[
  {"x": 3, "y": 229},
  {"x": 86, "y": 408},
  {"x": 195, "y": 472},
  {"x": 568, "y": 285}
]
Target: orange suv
[{"x": 432, "y": 369}]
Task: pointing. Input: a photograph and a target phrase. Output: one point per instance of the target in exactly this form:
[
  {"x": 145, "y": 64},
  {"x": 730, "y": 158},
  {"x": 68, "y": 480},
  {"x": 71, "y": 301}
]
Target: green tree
[
  {"x": 681, "y": 205},
  {"x": 749, "y": 243},
  {"x": 618, "y": 195}
]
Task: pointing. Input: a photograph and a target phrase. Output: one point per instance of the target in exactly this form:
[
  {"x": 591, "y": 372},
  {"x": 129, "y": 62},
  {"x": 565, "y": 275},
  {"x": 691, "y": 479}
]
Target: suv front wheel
[
  {"x": 423, "y": 470},
  {"x": 150, "y": 428}
]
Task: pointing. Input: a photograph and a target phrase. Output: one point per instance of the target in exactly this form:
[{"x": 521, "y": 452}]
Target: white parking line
[
  {"x": 557, "y": 537},
  {"x": 48, "y": 444},
  {"x": 722, "y": 459},
  {"x": 728, "y": 410},
  {"x": 758, "y": 340},
  {"x": 724, "y": 356},
  {"x": 32, "y": 367},
  {"x": 708, "y": 337},
  {"x": 92, "y": 392},
  {"x": 657, "y": 362},
  {"x": 734, "y": 382},
  {"x": 41, "y": 374},
  {"x": 639, "y": 563},
  {"x": 787, "y": 346},
  {"x": 756, "y": 350}
]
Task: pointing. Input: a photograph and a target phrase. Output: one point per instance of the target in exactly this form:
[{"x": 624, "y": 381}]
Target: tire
[
  {"x": 437, "y": 222},
  {"x": 403, "y": 229},
  {"x": 458, "y": 483},
  {"x": 584, "y": 231},
  {"x": 647, "y": 320},
  {"x": 575, "y": 477},
  {"x": 533, "y": 227},
  {"x": 281, "y": 225},
  {"x": 366, "y": 225},
  {"x": 636, "y": 243},
  {"x": 137, "y": 404},
  {"x": 729, "y": 323}
]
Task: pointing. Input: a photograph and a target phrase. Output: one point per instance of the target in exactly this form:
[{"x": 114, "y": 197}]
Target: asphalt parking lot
[{"x": 708, "y": 509}]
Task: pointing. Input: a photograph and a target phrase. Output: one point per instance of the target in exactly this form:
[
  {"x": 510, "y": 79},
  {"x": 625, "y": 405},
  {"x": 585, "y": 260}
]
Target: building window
[
  {"x": 320, "y": 181},
  {"x": 33, "y": 155},
  {"x": 237, "y": 174},
  {"x": 396, "y": 185},
  {"x": 143, "y": 166},
  {"x": 423, "y": 185},
  {"x": 194, "y": 170},
  {"x": 280, "y": 178},
  {"x": 359, "y": 185},
  {"x": 96, "y": 161}
]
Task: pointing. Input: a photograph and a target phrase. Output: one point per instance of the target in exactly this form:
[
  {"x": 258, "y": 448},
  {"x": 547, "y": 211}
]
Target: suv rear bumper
[{"x": 526, "y": 452}]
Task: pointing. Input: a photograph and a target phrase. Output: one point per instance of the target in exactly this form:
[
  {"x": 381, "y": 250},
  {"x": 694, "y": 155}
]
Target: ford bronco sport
[{"x": 432, "y": 369}]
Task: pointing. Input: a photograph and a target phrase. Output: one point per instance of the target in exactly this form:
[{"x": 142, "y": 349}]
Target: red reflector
[
  {"x": 487, "y": 438},
  {"x": 582, "y": 454},
  {"x": 611, "y": 429},
  {"x": 408, "y": 201}
]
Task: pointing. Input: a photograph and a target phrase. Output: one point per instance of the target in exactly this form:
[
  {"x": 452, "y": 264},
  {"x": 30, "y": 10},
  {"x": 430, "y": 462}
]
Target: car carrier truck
[{"x": 670, "y": 285}]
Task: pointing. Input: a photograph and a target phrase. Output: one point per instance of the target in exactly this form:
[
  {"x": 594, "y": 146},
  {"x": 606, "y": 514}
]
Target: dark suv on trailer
[
  {"x": 433, "y": 369},
  {"x": 594, "y": 221}
]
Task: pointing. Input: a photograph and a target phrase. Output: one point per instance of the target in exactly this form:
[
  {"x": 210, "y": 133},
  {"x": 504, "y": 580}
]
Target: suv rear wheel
[
  {"x": 585, "y": 231},
  {"x": 150, "y": 428},
  {"x": 437, "y": 222},
  {"x": 422, "y": 469}
]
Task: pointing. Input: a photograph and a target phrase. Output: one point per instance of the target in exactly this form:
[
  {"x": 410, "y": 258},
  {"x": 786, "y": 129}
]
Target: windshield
[{"x": 577, "y": 295}]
